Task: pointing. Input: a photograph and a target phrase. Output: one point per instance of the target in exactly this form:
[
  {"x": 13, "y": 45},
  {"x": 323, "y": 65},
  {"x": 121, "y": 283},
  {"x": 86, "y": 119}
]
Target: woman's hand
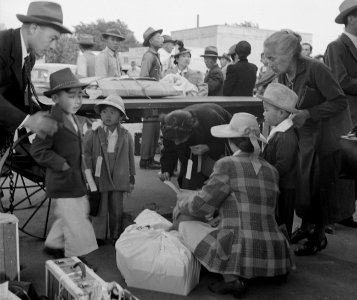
[
  {"x": 199, "y": 149},
  {"x": 299, "y": 118},
  {"x": 164, "y": 176}
]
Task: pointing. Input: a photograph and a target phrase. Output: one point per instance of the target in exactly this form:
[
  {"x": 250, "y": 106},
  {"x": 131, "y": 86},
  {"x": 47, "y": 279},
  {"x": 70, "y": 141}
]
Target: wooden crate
[{"x": 9, "y": 252}]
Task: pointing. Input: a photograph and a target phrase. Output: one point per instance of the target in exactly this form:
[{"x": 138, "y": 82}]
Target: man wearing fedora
[
  {"x": 166, "y": 53},
  {"x": 151, "y": 67},
  {"x": 214, "y": 76},
  {"x": 341, "y": 57},
  {"x": 107, "y": 63},
  {"x": 242, "y": 75},
  {"x": 40, "y": 31},
  {"x": 225, "y": 60},
  {"x": 86, "y": 58}
]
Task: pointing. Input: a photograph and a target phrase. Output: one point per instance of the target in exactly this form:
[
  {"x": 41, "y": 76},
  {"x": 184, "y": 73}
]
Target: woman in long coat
[{"x": 323, "y": 116}]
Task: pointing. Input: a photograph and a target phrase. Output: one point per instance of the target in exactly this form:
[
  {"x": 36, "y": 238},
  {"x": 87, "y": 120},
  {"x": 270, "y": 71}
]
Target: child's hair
[
  {"x": 243, "y": 143},
  {"x": 104, "y": 106}
]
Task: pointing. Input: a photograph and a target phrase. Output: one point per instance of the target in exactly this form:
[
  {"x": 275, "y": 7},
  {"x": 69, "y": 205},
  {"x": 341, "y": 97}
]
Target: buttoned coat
[
  {"x": 96, "y": 145},
  {"x": 214, "y": 79},
  {"x": 12, "y": 84},
  {"x": 53, "y": 151},
  {"x": 247, "y": 241},
  {"x": 341, "y": 57}
]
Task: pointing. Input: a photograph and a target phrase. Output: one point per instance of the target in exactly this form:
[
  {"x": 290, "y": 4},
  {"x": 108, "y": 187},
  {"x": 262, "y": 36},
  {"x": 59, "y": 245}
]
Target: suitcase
[{"x": 70, "y": 279}]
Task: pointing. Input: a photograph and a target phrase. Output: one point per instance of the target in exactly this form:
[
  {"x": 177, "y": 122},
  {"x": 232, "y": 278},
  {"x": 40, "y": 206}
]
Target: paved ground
[{"x": 331, "y": 274}]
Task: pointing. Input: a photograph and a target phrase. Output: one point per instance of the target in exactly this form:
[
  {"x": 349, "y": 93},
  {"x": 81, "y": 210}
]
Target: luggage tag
[
  {"x": 98, "y": 166},
  {"x": 189, "y": 167}
]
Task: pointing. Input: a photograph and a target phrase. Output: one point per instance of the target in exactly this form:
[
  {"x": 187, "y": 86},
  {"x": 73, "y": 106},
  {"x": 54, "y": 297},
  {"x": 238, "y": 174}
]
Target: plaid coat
[{"x": 247, "y": 241}]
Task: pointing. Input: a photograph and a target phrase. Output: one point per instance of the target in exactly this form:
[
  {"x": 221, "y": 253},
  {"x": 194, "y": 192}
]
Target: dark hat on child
[
  {"x": 45, "y": 13},
  {"x": 113, "y": 32},
  {"x": 61, "y": 80},
  {"x": 148, "y": 34}
]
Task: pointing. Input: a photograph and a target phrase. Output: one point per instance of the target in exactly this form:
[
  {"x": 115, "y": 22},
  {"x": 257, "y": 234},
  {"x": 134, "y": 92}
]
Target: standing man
[
  {"x": 306, "y": 49},
  {"x": 107, "y": 63},
  {"x": 166, "y": 53},
  {"x": 214, "y": 76},
  {"x": 151, "y": 67},
  {"x": 86, "y": 58},
  {"x": 225, "y": 60},
  {"x": 341, "y": 57},
  {"x": 40, "y": 31}
]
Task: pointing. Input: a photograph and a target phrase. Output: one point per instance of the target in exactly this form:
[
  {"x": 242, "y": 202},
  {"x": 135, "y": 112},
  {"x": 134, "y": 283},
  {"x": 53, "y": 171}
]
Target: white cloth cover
[
  {"x": 153, "y": 219},
  {"x": 180, "y": 83},
  {"x": 156, "y": 260}
]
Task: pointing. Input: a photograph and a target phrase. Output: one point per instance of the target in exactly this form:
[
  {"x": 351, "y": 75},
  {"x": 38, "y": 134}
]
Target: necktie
[{"x": 29, "y": 88}]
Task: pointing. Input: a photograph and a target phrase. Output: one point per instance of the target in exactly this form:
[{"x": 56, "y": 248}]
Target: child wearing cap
[
  {"x": 61, "y": 154},
  {"x": 109, "y": 153},
  {"x": 243, "y": 188},
  {"x": 281, "y": 151}
]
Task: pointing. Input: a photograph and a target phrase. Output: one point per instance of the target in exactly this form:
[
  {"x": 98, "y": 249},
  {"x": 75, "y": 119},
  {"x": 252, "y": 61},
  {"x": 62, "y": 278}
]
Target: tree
[{"x": 67, "y": 48}]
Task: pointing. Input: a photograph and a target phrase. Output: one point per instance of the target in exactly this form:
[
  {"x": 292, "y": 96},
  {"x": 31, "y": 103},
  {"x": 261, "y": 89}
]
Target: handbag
[
  {"x": 348, "y": 149},
  {"x": 94, "y": 199}
]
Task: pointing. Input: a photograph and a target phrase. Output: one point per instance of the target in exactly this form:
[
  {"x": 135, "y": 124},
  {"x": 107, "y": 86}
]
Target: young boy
[
  {"x": 281, "y": 150},
  {"x": 61, "y": 154},
  {"x": 109, "y": 153}
]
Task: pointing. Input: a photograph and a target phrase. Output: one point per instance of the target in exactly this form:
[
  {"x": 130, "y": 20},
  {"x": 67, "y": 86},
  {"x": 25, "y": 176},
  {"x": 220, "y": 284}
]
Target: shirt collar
[
  {"x": 153, "y": 51},
  {"x": 282, "y": 127},
  {"x": 110, "y": 52},
  {"x": 23, "y": 48},
  {"x": 107, "y": 131},
  {"x": 352, "y": 38},
  {"x": 185, "y": 70}
]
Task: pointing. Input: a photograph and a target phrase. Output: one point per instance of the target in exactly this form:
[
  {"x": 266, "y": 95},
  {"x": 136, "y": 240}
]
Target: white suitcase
[{"x": 70, "y": 279}]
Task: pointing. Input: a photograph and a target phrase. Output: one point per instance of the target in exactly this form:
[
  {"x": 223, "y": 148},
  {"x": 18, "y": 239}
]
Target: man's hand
[
  {"x": 199, "y": 149},
  {"x": 299, "y": 118},
  {"x": 41, "y": 124},
  {"x": 164, "y": 176}
]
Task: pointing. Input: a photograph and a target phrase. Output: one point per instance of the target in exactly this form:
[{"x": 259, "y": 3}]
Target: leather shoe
[
  {"x": 310, "y": 248},
  {"x": 149, "y": 165},
  {"x": 236, "y": 287},
  {"x": 349, "y": 222},
  {"x": 155, "y": 162},
  {"x": 300, "y": 234}
]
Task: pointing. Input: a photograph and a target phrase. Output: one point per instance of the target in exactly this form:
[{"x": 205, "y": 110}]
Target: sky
[{"x": 309, "y": 16}]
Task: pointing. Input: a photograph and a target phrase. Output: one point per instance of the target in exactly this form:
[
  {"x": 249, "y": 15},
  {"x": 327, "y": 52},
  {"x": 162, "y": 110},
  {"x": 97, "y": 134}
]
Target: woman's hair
[
  {"x": 178, "y": 124},
  {"x": 243, "y": 143},
  {"x": 287, "y": 41},
  {"x": 181, "y": 49}
]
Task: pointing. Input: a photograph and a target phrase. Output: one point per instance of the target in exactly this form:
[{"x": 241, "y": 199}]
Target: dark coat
[
  {"x": 208, "y": 115},
  {"x": 240, "y": 79},
  {"x": 214, "y": 79},
  {"x": 12, "y": 85},
  {"x": 341, "y": 57},
  {"x": 52, "y": 152}
]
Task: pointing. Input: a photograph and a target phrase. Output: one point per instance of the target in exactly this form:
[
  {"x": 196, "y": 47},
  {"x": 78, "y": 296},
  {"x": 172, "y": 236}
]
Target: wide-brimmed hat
[
  {"x": 168, "y": 39},
  {"x": 85, "y": 39},
  {"x": 63, "y": 79},
  {"x": 280, "y": 96},
  {"x": 148, "y": 34},
  {"x": 210, "y": 51},
  {"x": 345, "y": 8},
  {"x": 114, "y": 101},
  {"x": 113, "y": 32},
  {"x": 45, "y": 13},
  {"x": 225, "y": 56}
]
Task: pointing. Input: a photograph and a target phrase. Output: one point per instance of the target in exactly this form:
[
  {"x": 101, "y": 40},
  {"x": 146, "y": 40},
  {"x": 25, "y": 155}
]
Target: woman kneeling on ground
[{"x": 243, "y": 188}]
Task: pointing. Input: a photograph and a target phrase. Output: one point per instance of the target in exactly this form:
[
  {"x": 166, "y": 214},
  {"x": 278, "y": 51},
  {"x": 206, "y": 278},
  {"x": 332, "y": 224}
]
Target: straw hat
[
  {"x": 63, "y": 79},
  {"x": 345, "y": 8},
  {"x": 86, "y": 39},
  {"x": 113, "y": 32},
  {"x": 241, "y": 125},
  {"x": 114, "y": 101},
  {"x": 46, "y": 13},
  {"x": 148, "y": 34},
  {"x": 280, "y": 96},
  {"x": 210, "y": 51}
]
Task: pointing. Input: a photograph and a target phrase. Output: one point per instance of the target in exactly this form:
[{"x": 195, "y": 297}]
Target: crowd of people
[{"x": 249, "y": 184}]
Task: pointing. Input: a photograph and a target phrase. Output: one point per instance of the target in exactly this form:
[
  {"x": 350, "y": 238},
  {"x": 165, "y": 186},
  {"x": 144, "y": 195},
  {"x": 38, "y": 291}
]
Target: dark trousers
[
  {"x": 150, "y": 137},
  {"x": 285, "y": 208}
]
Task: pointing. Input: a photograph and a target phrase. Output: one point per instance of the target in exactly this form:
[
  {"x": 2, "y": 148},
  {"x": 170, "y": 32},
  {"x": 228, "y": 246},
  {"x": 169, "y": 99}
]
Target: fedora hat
[
  {"x": 45, "y": 13},
  {"x": 225, "y": 56},
  {"x": 168, "y": 39},
  {"x": 113, "y": 32},
  {"x": 280, "y": 96},
  {"x": 210, "y": 51},
  {"x": 345, "y": 8},
  {"x": 114, "y": 101},
  {"x": 148, "y": 34},
  {"x": 241, "y": 125},
  {"x": 86, "y": 39},
  {"x": 63, "y": 79}
]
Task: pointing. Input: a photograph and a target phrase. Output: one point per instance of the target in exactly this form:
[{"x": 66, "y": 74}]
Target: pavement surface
[{"x": 331, "y": 274}]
